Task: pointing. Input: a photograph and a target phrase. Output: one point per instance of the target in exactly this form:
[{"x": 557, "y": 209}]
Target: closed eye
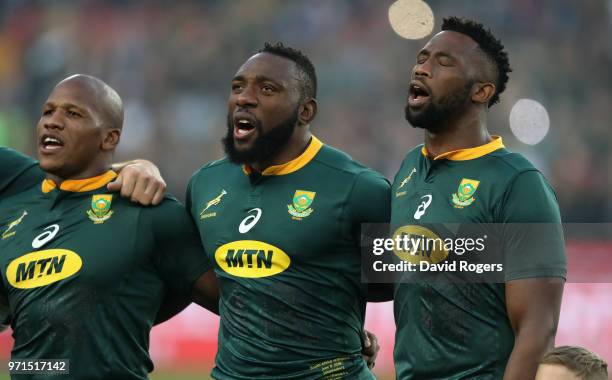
[{"x": 445, "y": 61}]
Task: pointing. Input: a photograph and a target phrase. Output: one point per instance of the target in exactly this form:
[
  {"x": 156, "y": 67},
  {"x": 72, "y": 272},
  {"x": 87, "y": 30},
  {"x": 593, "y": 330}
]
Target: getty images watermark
[
  {"x": 425, "y": 254},
  {"x": 468, "y": 252}
]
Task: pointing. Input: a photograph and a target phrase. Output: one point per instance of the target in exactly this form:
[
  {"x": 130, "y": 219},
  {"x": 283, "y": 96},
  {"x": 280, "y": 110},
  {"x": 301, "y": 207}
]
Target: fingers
[
  {"x": 139, "y": 195},
  {"x": 115, "y": 185},
  {"x": 153, "y": 192},
  {"x": 370, "y": 348},
  {"x": 159, "y": 193},
  {"x": 366, "y": 339},
  {"x": 140, "y": 181},
  {"x": 128, "y": 183}
]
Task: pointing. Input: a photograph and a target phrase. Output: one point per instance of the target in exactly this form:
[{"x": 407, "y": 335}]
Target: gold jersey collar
[
  {"x": 294, "y": 165},
  {"x": 80, "y": 185},
  {"x": 469, "y": 153}
]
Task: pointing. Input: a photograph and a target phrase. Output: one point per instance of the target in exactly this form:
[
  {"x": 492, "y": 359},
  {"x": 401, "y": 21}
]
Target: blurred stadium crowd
[{"x": 172, "y": 63}]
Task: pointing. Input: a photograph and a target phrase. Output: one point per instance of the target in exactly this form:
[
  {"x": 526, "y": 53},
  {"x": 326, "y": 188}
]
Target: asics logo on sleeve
[{"x": 250, "y": 221}]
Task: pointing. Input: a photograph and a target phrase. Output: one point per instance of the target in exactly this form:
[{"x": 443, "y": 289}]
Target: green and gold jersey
[
  {"x": 456, "y": 331},
  {"x": 286, "y": 247},
  {"x": 17, "y": 172},
  {"x": 85, "y": 272}
]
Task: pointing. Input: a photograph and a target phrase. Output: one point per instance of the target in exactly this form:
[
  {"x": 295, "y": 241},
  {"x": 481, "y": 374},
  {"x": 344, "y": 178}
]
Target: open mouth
[
  {"x": 244, "y": 126},
  {"x": 49, "y": 143},
  {"x": 418, "y": 94}
]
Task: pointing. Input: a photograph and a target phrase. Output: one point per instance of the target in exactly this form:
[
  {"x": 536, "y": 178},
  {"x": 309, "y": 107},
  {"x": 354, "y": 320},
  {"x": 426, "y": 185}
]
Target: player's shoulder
[
  {"x": 335, "y": 160},
  {"x": 213, "y": 168},
  {"x": 166, "y": 212},
  {"x": 220, "y": 164},
  {"x": 415, "y": 153},
  {"x": 169, "y": 202},
  {"x": 512, "y": 162},
  {"x": 11, "y": 156},
  {"x": 514, "y": 171}
]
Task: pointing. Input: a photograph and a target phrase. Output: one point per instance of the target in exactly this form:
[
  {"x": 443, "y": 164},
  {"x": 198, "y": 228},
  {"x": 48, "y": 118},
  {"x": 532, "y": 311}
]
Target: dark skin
[
  {"x": 70, "y": 113},
  {"x": 266, "y": 88},
  {"x": 533, "y": 307},
  {"x": 448, "y": 62},
  {"x": 85, "y": 115},
  {"x": 88, "y": 137},
  {"x": 139, "y": 180}
]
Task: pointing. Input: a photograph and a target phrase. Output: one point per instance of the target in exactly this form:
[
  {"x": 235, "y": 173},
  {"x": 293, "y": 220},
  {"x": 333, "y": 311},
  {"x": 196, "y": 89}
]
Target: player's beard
[
  {"x": 265, "y": 146},
  {"x": 437, "y": 112}
]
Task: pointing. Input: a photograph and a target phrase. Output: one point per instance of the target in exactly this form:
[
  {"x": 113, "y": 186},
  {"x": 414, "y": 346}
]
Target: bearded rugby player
[
  {"x": 280, "y": 217},
  {"x": 464, "y": 175}
]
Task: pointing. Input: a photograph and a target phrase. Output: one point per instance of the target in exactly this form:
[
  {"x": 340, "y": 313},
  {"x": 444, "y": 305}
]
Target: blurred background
[{"x": 172, "y": 62}]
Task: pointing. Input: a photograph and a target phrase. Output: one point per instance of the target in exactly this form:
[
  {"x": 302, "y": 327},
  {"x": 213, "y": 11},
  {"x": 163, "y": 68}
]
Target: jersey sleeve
[
  {"x": 17, "y": 172},
  {"x": 532, "y": 236},
  {"x": 188, "y": 200},
  {"x": 180, "y": 256},
  {"x": 370, "y": 199}
]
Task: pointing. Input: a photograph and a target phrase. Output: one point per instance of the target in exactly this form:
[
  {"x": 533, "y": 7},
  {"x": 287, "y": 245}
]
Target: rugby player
[
  {"x": 462, "y": 174},
  {"x": 138, "y": 180},
  {"x": 85, "y": 272},
  {"x": 572, "y": 363},
  {"x": 280, "y": 217}
]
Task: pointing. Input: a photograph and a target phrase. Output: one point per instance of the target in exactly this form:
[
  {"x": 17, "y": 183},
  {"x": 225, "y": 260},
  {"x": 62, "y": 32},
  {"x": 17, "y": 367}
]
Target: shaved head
[
  {"x": 108, "y": 103},
  {"x": 80, "y": 128}
]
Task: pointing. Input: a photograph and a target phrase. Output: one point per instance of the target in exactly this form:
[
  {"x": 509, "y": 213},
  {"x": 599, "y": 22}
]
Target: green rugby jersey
[
  {"x": 461, "y": 331},
  {"x": 17, "y": 172},
  {"x": 286, "y": 247},
  {"x": 85, "y": 272}
]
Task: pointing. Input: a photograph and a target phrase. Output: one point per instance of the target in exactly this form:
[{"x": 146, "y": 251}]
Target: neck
[
  {"x": 467, "y": 131},
  {"x": 296, "y": 145},
  {"x": 91, "y": 172}
]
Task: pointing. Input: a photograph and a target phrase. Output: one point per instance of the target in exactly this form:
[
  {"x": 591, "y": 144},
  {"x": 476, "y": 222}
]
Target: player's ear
[
  {"x": 111, "y": 139},
  {"x": 482, "y": 92},
  {"x": 307, "y": 111}
]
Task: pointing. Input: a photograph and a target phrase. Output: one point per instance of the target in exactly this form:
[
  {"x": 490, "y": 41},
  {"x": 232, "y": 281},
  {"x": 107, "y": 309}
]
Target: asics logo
[
  {"x": 420, "y": 211},
  {"x": 250, "y": 221},
  {"x": 45, "y": 237}
]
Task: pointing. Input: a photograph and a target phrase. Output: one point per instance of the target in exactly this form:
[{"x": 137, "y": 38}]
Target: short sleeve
[
  {"x": 370, "y": 199},
  {"x": 181, "y": 257},
  {"x": 532, "y": 236},
  {"x": 188, "y": 200},
  {"x": 17, "y": 172}
]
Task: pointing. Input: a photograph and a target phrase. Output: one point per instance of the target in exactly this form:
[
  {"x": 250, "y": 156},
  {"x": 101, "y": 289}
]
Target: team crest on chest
[
  {"x": 10, "y": 230},
  {"x": 301, "y": 204},
  {"x": 465, "y": 193},
  {"x": 100, "y": 208}
]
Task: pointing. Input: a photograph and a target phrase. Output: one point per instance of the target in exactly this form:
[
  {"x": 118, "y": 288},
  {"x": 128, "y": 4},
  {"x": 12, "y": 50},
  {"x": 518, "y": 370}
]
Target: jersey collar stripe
[
  {"x": 469, "y": 153},
  {"x": 80, "y": 185},
  {"x": 293, "y": 165}
]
